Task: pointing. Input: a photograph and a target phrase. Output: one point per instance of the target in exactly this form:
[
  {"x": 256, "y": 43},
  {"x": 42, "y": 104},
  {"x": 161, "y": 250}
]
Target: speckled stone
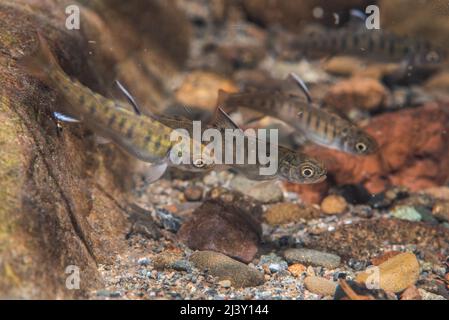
[
  {"x": 312, "y": 257},
  {"x": 320, "y": 286},
  {"x": 225, "y": 268},
  {"x": 395, "y": 275}
]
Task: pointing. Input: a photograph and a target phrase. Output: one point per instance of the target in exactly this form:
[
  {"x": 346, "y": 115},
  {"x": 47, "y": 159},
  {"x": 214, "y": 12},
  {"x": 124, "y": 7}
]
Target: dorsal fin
[
  {"x": 64, "y": 118},
  {"x": 222, "y": 120},
  {"x": 301, "y": 84},
  {"x": 129, "y": 97}
]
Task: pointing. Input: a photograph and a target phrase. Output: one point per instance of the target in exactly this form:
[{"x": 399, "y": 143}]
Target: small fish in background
[
  {"x": 143, "y": 137},
  {"x": 308, "y": 119},
  {"x": 317, "y": 42},
  {"x": 294, "y": 167}
]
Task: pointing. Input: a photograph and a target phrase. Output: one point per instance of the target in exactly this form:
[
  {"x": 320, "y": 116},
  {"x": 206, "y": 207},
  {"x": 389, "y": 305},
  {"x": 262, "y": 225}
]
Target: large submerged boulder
[{"x": 62, "y": 196}]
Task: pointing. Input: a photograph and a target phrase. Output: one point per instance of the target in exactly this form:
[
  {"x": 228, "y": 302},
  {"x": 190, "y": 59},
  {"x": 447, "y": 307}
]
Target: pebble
[
  {"x": 226, "y": 268},
  {"x": 143, "y": 261},
  {"x": 394, "y": 275},
  {"x": 169, "y": 260},
  {"x": 429, "y": 295},
  {"x": 273, "y": 262},
  {"x": 288, "y": 212},
  {"x": 334, "y": 204},
  {"x": 225, "y": 283},
  {"x": 441, "y": 211},
  {"x": 108, "y": 293},
  {"x": 269, "y": 192},
  {"x": 167, "y": 220},
  {"x": 312, "y": 257},
  {"x": 441, "y": 193},
  {"x": 193, "y": 193},
  {"x": 343, "y": 65},
  {"x": 411, "y": 293},
  {"x": 363, "y": 211},
  {"x": 321, "y": 286},
  {"x": 297, "y": 269},
  {"x": 406, "y": 213}
]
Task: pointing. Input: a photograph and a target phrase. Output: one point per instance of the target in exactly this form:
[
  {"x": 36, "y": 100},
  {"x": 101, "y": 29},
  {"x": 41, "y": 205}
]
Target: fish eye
[
  {"x": 361, "y": 147},
  {"x": 307, "y": 172},
  {"x": 199, "y": 163}
]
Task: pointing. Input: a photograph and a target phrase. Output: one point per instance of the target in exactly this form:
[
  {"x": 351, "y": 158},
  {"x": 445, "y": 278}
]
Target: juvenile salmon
[
  {"x": 294, "y": 167},
  {"x": 143, "y": 137},
  {"x": 379, "y": 45},
  {"x": 314, "y": 123}
]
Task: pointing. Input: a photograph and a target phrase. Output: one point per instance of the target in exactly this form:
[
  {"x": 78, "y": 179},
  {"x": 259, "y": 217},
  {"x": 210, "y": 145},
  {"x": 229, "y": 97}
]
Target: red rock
[
  {"x": 412, "y": 146},
  {"x": 222, "y": 227}
]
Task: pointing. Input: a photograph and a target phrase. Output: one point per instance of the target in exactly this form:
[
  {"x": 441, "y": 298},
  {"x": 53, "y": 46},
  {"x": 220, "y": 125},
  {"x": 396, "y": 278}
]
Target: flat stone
[
  {"x": 320, "y": 286},
  {"x": 394, "y": 275},
  {"x": 226, "y": 268},
  {"x": 222, "y": 227},
  {"x": 312, "y": 257}
]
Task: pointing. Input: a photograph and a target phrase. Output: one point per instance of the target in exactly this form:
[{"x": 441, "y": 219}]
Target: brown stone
[
  {"x": 225, "y": 268},
  {"x": 222, "y": 227},
  {"x": 320, "y": 286},
  {"x": 334, "y": 204},
  {"x": 289, "y": 212}
]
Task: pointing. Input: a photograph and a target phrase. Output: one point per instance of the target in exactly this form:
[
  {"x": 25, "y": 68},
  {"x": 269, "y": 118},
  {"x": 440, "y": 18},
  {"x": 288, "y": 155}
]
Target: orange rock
[
  {"x": 200, "y": 89},
  {"x": 356, "y": 92},
  {"x": 310, "y": 194},
  {"x": 334, "y": 204},
  {"x": 297, "y": 269},
  {"x": 384, "y": 257}
]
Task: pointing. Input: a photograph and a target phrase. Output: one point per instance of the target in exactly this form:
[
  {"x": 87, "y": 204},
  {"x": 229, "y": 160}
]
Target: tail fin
[{"x": 41, "y": 63}]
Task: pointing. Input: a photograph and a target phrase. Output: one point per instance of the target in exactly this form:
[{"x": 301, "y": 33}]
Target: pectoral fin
[{"x": 64, "y": 118}]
